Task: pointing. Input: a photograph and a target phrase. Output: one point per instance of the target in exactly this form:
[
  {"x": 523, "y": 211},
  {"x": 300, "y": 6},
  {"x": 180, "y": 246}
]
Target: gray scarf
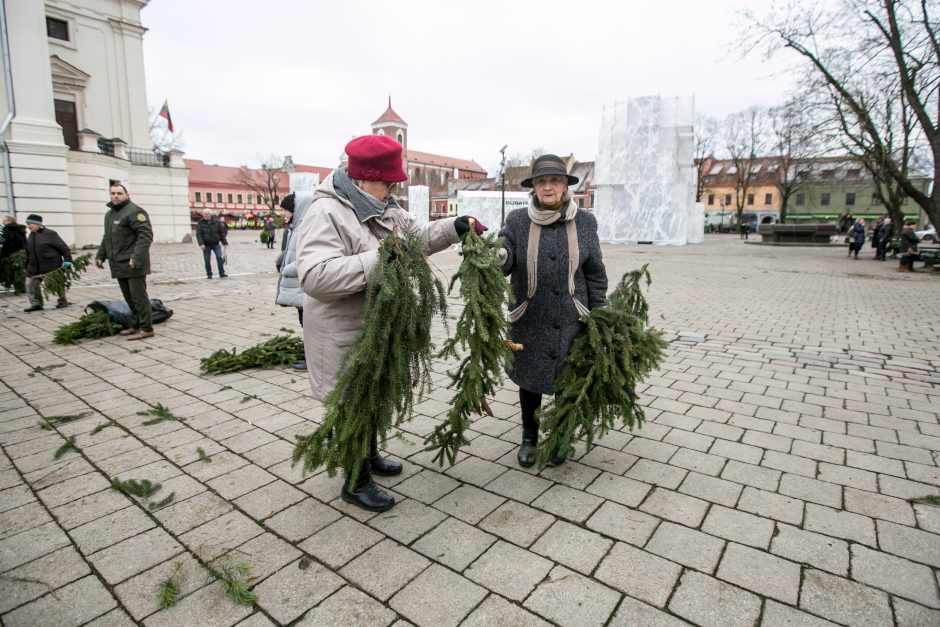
[
  {"x": 545, "y": 217},
  {"x": 366, "y": 205}
]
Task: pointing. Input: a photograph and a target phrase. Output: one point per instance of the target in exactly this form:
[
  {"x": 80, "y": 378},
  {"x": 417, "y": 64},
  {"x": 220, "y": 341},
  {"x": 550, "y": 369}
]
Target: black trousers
[
  {"x": 134, "y": 290},
  {"x": 529, "y": 402}
]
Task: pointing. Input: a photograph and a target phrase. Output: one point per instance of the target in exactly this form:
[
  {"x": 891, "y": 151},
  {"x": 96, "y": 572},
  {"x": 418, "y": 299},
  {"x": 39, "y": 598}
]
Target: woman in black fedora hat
[{"x": 553, "y": 257}]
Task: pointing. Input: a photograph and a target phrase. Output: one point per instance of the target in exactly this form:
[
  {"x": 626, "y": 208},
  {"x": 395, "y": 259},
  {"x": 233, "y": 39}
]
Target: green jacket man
[{"x": 126, "y": 247}]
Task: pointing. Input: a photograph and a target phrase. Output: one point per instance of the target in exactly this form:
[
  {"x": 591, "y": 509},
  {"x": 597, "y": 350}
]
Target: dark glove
[{"x": 462, "y": 226}]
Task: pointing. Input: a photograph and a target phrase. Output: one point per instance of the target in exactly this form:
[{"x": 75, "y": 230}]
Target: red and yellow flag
[{"x": 165, "y": 113}]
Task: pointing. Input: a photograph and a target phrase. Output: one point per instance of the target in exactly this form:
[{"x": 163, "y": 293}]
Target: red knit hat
[{"x": 375, "y": 158}]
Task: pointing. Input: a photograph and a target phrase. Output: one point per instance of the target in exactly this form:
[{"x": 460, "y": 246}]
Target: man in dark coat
[
  {"x": 45, "y": 252},
  {"x": 126, "y": 247},
  {"x": 211, "y": 237},
  {"x": 908, "y": 247}
]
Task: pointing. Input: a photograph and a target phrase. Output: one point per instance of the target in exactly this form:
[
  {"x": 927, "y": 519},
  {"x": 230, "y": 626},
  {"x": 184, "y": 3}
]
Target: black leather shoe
[
  {"x": 366, "y": 494},
  {"x": 556, "y": 459},
  {"x": 33, "y": 308},
  {"x": 62, "y": 305},
  {"x": 379, "y": 465},
  {"x": 526, "y": 455}
]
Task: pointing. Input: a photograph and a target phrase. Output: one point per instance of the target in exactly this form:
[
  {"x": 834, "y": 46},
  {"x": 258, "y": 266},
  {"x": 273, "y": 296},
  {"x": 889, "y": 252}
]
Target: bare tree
[
  {"x": 264, "y": 180},
  {"x": 519, "y": 165},
  {"x": 855, "y": 50},
  {"x": 744, "y": 139},
  {"x": 793, "y": 141},
  {"x": 706, "y": 142}
]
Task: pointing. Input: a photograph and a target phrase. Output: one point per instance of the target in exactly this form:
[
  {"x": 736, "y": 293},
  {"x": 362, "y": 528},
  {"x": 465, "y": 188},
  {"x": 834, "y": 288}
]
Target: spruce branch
[
  {"x": 202, "y": 455},
  {"x": 65, "y": 448},
  {"x": 153, "y": 506},
  {"x": 235, "y": 578},
  {"x": 168, "y": 590},
  {"x": 160, "y": 414},
  {"x": 91, "y": 325},
  {"x": 480, "y": 335},
  {"x": 597, "y": 386},
  {"x": 389, "y": 362},
  {"x": 99, "y": 428},
  {"x": 280, "y": 350},
  {"x": 142, "y": 488},
  {"x": 13, "y": 271},
  {"x": 57, "y": 281}
]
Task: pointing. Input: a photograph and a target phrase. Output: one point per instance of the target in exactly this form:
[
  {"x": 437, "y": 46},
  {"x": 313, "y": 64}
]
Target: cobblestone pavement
[{"x": 790, "y": 432}]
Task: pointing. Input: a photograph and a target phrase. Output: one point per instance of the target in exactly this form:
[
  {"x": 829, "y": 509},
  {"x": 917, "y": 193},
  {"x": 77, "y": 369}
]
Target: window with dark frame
[
  {"x": 218, "y": 197},
  {"x": 66, "y": 117},
  {"x": 198, "y": 197},
  {"x": 251, "y": 199},
  {"x": 800, "y": 199},
  {"x": 727, "y": 200},
  {"x": 238, "y": 198},
  {"x": 57, "y": 29},
  {"x": 229, "y": 199},
  {"x": 824, "y": 199},
  {"x": 750, "y": 199},
  {"x": 768, "y": 199},
  {"x": 849, "y": 199},
  {"x": 711, "y": 199}
]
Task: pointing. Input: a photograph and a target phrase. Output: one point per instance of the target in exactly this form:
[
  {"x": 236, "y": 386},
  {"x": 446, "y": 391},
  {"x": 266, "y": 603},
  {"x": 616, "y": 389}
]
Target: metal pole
[{"x": 502, "y": 177}]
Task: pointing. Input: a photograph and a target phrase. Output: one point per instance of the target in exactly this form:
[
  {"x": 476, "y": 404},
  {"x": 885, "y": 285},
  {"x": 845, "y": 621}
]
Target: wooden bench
[{"x": 797, "y": 233}]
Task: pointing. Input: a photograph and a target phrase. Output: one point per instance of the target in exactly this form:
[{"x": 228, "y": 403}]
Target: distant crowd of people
[{"x": 882, "y": 240}]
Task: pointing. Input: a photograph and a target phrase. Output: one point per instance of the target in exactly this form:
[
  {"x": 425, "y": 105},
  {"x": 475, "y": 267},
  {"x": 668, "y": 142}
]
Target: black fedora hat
[{"x": 546, "y": 165}]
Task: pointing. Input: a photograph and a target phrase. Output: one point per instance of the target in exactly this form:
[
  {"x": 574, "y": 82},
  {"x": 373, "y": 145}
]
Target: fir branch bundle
[
  {"x": 480, "y": 333},
  {"x": 57, "y": 281},
  {"x": 13, "y": 271},
  {"x": 91, "y": 325},
  {"x": 168, "y": 590},
  {"x": 235, "y": 578},
  {"x": 607, "y": 360},
  {"x": 280, "y": 350},
  {"x": 387, "y": 362}
]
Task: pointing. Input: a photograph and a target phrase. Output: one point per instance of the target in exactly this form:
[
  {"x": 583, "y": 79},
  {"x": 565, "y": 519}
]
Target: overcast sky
[{"x": 245, "y": 79}]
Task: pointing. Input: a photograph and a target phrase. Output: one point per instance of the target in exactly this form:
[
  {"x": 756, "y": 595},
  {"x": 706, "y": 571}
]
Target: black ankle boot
[
  {"x": 379, "y": 465},
  {"x": 366, "y": 494},
  {"x": 526, "y": 454}
]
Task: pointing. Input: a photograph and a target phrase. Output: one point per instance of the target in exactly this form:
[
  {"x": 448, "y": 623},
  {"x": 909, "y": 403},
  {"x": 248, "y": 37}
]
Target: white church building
[{"x": 74, "y": 117}]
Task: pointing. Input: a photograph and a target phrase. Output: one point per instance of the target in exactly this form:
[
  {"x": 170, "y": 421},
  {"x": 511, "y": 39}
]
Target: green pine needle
[
  {"x": 168, "y": 590},
  {"x": 99, "y": 428},
  {"x": 161, "y": 503},
  {"x": 235, "y": 578},
  {"x": 65, "y": 448},
  {"x": 45, "y": 368},
  {"x": 930, "y": 499},
  {"x": 160, "y": 414},
  {"x": 387, "y": 365},
  {"x": 57, "y": 281},
  {"x": 597, "y": 386},
  {"x": 480, "y": 333},
  {"x": 281, "y": 350},
  {"x": 143, "y": 488},
  {"x": 202, "y": 455},
  {"x": 91, "y": 325}
]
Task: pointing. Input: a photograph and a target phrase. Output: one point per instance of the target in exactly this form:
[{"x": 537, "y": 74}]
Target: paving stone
[
  {"x": 573, "y": 546},
  {"x": 370, "y": 570},
  {"x": 407, "y": 521},
  {"x": 267, "y": 554},
  {"x": 571, "y": 474},
  {"x": 294, "y": 589},
  {"x": 622, "y": 490},
  {"x": 241, "y": 481},
  {"x": 772, "y": 505},
  {"x": 707, "y": 601},
  {"x": 57, "y": 569},
  {"x": 623, "y": 523},
  {"x": 475, "y": 471},
  {"x": 302, "y": 520},
  {"x": 115, "y": 618},
  {"x": 608, "y": 460},
  {"x": 111, "y": 529},
  {"x": 779, "y": 615},
  {"x": 427, "y": 486},
  {"x": 76, "y": 603},
  {"x": 650, "y": 449},
  {"x": 698, "y": 461},
  {"x": 221, "y": 535},
  {"x": 909, "y": 614},
  {"x": 877, "y": 506},
  {"x": 819, "y": 452},
  {"x": 469, "y": 503},
  {"x": 737, "y": 451},
  {"x": 137, "y": 594},
  {"x": 73, "y": 489},
  {"x": 789, "y": 463},
  {"x": 686, "y": 546},
  {"x": 649, "y": 471},
  {"x": 340, "y": 542},
  {"x": 30, "y": 544},
  {"x": 748, "y": 474},
  {"x": 185, "y": 515},
  {"x": 568, "y": 503},
  {"x": 509, "y": 570},
  {"x": 914, "y": 544},
  {"x": 496, "y": 610},
  {"x": 639, "y": 574},
  {"x": 439, "y": 544},
  {"x": 711, "y": 489},
  {"x": 760, "y": 572},
  {"x": 900, "y": 451},
  {"x": 207, "y": 607},
  {"x": 517, "y": 523},
  {"x": 134, "y": 555},
  {"x": 25, "y": 517},
  {"x": 421, "y": 602},
  {"x": 566, "y": 598},
  {"x": 928, "y": 517},
  {"x": 811, "y": 548},
  {"x": 269, "y": 499},
  {"x": 904, "y": 489},
  {"x": 674, "y": 506},
  {"x": 632, "y": 612},
  {"x": 348, "y": 606},
  {"x": 898, "y": 576},
  {"x": 739, "y": 526},
  {"x": 811, "y": 490},
  {"x": 920, "y": 472},
  {"x": 689, "y": 440},
  {"x": 851, "y": 477},
  {"x": 840, "y": 524},
  {"x": 843, "y": 601}
]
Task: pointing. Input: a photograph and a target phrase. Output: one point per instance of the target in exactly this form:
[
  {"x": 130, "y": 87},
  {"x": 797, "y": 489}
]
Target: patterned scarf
[{"x": 543, "y": 216}]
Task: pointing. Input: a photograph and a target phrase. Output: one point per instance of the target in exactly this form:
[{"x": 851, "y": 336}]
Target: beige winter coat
[{"x": 335, "y": 255}]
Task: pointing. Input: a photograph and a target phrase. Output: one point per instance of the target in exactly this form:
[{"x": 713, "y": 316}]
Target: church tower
[{"x": 391, "y": 124}]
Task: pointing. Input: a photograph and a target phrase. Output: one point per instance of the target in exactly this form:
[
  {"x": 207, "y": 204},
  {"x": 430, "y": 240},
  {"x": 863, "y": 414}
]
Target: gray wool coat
[{"x": 550, "y": 322}]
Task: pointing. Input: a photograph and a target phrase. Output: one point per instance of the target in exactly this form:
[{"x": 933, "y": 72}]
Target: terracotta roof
[
  {"x": 323, "y": 172},
  {"x": 427, "y": 158},
  {"x": 201, "y": 173},
  {"x": 389, "y": 115}
]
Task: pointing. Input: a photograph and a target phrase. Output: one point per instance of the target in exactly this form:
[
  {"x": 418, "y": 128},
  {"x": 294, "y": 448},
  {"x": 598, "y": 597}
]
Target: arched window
[
  {"x": 380, "y": 132},
  {"x": 401, "y": 138}
]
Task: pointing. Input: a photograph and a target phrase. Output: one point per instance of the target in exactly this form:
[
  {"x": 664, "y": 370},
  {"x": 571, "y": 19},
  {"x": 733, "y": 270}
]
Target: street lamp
[{"x": 502, "y": 178}]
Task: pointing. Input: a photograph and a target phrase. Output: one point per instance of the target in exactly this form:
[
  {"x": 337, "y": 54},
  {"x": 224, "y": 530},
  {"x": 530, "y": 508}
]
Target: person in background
[
  {"x": 289, "y": 292},
  {"x": 125, "y": 245},
  {"x": 908, "y": 247},
  {"x": 270, "y": 228},
  {"x": 210, "y": 235},
  {"x": 14, "y": 240},
  {"x": 857, "y": 237},
  {"x": 884, "y": 239},
  {"x": 45, "y": 251}
]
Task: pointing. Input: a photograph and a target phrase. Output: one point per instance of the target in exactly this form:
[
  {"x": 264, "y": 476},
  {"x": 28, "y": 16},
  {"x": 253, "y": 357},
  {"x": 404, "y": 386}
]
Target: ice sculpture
[
  {"x": 644, "y": 173},
  {"x": 487, "y": 206},
  {"x": 419, "y": 202}
]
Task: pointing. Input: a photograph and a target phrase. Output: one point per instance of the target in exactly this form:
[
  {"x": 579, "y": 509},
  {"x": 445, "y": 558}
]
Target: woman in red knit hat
[{"x": 337, "y": 249}]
